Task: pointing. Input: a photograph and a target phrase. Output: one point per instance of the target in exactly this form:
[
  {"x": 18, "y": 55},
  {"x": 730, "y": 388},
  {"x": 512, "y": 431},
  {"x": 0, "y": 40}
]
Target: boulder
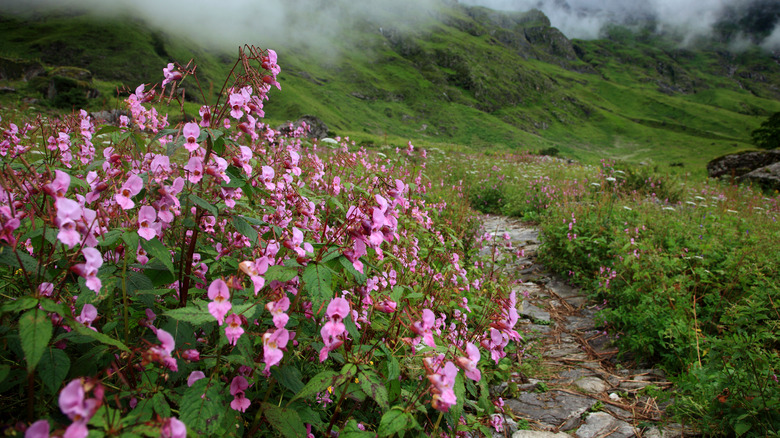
[
  {"x": 317, "y": 128},
  {"x": 741, "y": 163},
  {"x": 767, "y": 177},
  {"x": 15, "y": 69}
]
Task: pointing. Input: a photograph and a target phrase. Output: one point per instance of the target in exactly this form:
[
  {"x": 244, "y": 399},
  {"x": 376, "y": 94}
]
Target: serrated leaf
[
  {"x": 317, "y": 384},
  {"x": 53, "y": 368},
  {"x": 12, "y": 258},
  {"x": 195, "y": 313},
  {"x": 202, "y": 203},
  {"x": 35, "y": 330},
  {"x": 460, "y": 396},
  {"x": 131, "y": 239},
  {"x": 280, "y": 273},
  {"x": 393, "y": 421},
  {"x": 161, "y": 405},
  {"x": 284, "y": 420},
  {"x": 18, "y": 305},
  {"x": 317, "y": 281},
  {"x": 100, "y": 337},
  {"x": 109, "y": 238},
  {"x": 158, "y": 250},
  {"x": 358, "y": 276},
  {"x": 372, "y": 385},
  {"x": 245, "y": 228},
  {"x": 289, "y": 377},
  {"x": 200, "y": 408}
]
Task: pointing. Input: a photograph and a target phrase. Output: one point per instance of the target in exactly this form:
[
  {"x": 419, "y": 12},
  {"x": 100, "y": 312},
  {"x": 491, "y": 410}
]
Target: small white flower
[
  {"x": 610, "y": 179},
  {"x": 668, "y": 208},
  {"x": 595, "y": 184},
  {"x": 626, "y": 208}
]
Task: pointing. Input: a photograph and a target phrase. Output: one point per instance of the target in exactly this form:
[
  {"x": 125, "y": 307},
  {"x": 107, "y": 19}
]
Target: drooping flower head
[{"x": 220, "y": 294}]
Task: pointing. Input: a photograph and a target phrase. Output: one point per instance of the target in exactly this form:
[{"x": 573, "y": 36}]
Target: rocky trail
[{"x": 575, "y": 386}]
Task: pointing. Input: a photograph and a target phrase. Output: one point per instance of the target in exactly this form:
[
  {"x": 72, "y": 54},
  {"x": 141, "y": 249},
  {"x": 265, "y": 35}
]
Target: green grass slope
[{"x": 471, "y": 76}]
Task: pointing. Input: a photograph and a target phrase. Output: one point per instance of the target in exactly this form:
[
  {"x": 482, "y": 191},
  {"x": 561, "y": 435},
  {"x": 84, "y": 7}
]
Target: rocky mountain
[{"x": 471, "y": 75}]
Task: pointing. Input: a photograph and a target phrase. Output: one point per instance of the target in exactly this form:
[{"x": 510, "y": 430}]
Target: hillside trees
[{"x": 768, "y": 135}]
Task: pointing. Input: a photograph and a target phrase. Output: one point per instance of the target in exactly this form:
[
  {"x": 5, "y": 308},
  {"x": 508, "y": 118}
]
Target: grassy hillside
[{"x": 472, "y": 76}]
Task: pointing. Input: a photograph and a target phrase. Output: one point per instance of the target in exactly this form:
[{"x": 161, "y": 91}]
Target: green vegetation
[
  {"x": 686, "y": 270},
  {"x": 768, "y": 135},
  {"x": 472, "y": 76}
]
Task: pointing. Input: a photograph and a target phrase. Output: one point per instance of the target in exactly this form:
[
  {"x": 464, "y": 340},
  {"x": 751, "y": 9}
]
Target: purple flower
[
  {"x": 173, "y": 428},
  {"x": 89, "y": 269},
  {"x": 237, "y": 388},
  {"x": 273, "y": 342},
  {"x": 39, "y": 429},
  {"x": 194, "y": 377},
  {"x": 147, "y": 217}
]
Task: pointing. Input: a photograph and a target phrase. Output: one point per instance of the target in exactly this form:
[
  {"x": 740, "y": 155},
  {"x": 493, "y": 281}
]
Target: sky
[{"x": 318, "y": 23}]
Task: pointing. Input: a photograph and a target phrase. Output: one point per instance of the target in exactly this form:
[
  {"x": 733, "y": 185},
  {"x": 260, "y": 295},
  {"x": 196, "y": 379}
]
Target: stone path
[{"x": 575, "y": 387}]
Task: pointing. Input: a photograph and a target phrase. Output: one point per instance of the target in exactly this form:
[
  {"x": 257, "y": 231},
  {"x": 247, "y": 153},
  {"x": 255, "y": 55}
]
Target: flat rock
[
  {"x": 578, "y": 323},
  {"x": 600, "y": 424},
  {"x": 532, "y": 312},
  {"x": 556, "y": 409},
  {"x": 591, "y": 385},
  {"x": 538, "y": 434}
]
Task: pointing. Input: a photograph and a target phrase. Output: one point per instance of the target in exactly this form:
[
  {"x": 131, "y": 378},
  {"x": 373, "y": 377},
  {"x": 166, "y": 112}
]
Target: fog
[{"x": 321, "y": 24}]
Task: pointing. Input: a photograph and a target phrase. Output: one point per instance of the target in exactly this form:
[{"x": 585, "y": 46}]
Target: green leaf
[
  {"x": 195, "y": 313},
  {"x": 18, "y": 305},
  {"x": 393, "y": 421},
  {"x": 12, "y": 258},
  {"x": 372, "y": 385},
  {"x": 202, "y": 203},
  {"x": 201, "y": 407},
  {"x": 161, "y": 405},
  {"x": 460, "y": 396},
  {"x": 317, "y": 384},
  {"x": 53, "y": 368},
  {"x": 359, "y": 277},
  {"x": 284, "y": 420},
  {"x": 158, "y": 250},
  {"x": 742, "y": 428},
  {"x": 131, "y": 240},
  {"x": 289, "y": 377},
  {"x": 245, "y": 228},
  {"x": 317, "y": 280},
  {"x": 351, "y": 431},
  {"x": 352, "y": 329},
  {"x": 280, "y": 273},
  {"x": 100, "y": 337},
  {"x": 35, "y": 330},
  {"x": 110, "y": 237}
]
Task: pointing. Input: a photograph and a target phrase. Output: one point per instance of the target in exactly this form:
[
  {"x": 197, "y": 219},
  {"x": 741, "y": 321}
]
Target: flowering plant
[{"x": 218, "y": 277}]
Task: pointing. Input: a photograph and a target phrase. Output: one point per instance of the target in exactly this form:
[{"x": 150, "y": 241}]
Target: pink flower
[
  {"x": 236, "y": 102},
  {"x": 254, "y": 270},
  {"x": 88, "y": 314},
  {"x": 195, "y": 169},
  {"x": 423, "y": 327},
  {"x": 194, "y": 377},
  {"x": 442, "y": 386},
  {"x": 191, "y": 355},
  {"x": 386, "y": 306},
  {"x": 162, "y": 353},
  {"x": 147, "y": 217},
  {"x": 278, "y": 309},
  {"x": 296, "y": 242},
  {"x": 469, "y": 363},
  {"x": 267, "y": 176},
  {"x": 233, "y": 330},
  {"x": 191, "y": 131},
  {"x": 173, "y": 428},
  {"x": 237, "y": 388},
  {"x": 205, "y": 116},
  {"x": 273, "y": 342},
  {"x": 331, "y": 331},
  {"x": 170, "y": 74},
  {"x": 220, "y": 306},
  {"x": 89, "y": 269},
  {"x": 39, "y": 429},
  {"x": 75, "y": 405},
  {"x": 130, "y": 188},
  {"x": 68, "y": 212}
]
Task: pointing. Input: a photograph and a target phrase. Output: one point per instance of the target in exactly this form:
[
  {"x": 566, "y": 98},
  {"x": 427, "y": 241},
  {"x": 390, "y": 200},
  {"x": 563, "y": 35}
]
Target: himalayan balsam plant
[{"x": 221, "y": 278}]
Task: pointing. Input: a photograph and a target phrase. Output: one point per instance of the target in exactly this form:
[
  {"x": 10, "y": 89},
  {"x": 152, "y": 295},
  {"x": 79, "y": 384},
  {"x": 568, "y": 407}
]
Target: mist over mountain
[
  {"x": 739, "y": 22},
  {"x": 322, "y": 24}
]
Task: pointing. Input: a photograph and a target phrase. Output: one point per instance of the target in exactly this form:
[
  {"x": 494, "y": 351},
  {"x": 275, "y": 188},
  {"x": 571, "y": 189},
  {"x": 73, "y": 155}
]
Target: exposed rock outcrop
[
  {"x": 317, "y": 128},
  {"x": 741, "y": 163},
  {"x": 767, "y": 177},
  {"x": 15, "y": 69}
]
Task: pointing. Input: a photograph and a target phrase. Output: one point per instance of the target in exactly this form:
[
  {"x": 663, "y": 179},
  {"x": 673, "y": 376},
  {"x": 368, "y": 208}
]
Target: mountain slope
[{"x": 471, "y": 76}]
